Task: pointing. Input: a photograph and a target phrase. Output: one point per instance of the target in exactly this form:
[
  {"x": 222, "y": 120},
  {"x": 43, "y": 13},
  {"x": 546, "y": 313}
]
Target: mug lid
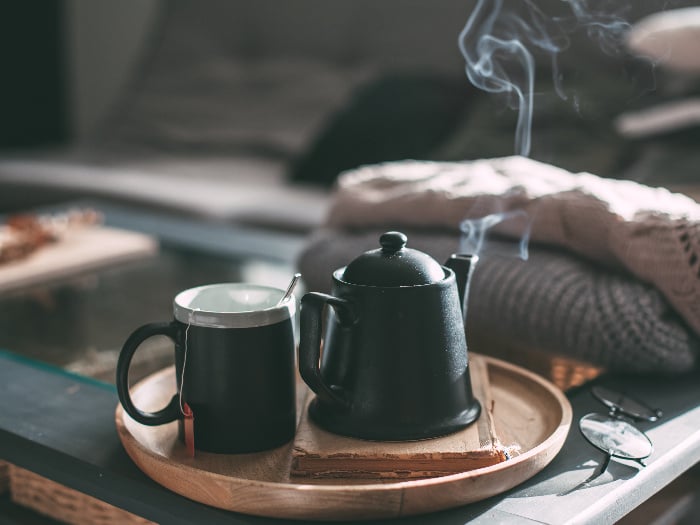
[
  {"x": 393, "y": 265},
  {"x": 232, "y": 305}
]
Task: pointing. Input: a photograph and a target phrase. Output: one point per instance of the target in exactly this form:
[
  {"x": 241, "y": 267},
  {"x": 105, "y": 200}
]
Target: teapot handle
[{"x": 312, "y": 305}]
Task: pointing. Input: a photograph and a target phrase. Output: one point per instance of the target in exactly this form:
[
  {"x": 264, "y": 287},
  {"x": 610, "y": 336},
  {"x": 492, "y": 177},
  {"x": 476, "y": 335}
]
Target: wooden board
[
  {"x": 78, "y": 251},
  {"x": 66, "y": 505},
  {"x": 320, "y": 454},
  {"x": 530, "y": 415}
]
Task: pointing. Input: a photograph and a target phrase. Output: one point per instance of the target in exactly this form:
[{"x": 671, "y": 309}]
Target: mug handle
[
  {"x": 172, "y": 411},
  {"x": 312, "y": 305}
]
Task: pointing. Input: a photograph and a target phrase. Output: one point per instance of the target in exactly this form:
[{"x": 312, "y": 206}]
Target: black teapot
[{"x": 394, "y": 364}]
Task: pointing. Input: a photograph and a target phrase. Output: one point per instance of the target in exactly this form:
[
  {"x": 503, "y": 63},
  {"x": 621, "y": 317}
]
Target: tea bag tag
[
  {"x": 189, "y": 428},
  {"x": 188, "y": 415}
]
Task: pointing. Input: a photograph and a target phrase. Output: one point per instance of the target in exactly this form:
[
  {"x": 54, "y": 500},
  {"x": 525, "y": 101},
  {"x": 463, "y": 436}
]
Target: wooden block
[
  {"x": 65, "y": 504},
  {"x": 321, "y": 454}
]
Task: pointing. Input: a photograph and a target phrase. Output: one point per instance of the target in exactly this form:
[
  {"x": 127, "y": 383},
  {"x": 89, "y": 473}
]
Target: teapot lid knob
[
  {"x": 393, "y": 265},
  {"x": 392, "y": 242}
]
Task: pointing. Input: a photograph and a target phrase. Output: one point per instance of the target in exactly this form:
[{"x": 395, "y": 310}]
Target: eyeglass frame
[{"x": 618, "y": 413}]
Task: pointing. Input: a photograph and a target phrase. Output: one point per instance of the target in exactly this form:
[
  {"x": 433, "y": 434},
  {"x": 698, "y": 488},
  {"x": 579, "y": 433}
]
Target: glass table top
[{"x": 81, "y": 322}]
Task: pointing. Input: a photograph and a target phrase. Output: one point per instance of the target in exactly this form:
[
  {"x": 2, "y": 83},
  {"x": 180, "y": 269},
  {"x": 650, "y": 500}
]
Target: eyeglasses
[{"x": 613, "y": 433}]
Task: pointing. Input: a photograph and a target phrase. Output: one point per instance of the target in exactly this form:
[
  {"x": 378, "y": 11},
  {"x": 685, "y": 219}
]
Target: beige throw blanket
[{"x": 650, "y": 232}]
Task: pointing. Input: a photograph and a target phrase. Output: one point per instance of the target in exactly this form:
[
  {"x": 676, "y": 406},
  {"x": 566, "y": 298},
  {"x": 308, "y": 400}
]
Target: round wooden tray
[{"x": 531, "y": 414}]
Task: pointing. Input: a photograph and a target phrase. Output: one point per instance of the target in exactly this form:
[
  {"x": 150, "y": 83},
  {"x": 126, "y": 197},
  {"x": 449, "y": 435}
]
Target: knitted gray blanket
[
  {"x": 614, "y": 272},
  {"x": 553, "y": 301}
]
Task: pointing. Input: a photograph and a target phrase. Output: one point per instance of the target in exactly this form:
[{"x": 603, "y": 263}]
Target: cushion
[
  {"x": 398, "y": 115},
  {"x": 223, "y": 104}
]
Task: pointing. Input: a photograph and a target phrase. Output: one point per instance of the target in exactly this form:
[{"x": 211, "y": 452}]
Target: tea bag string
[{"x": 184, "y": 359}]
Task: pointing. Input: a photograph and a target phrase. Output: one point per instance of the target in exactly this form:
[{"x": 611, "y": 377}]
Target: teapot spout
[{"x": 463, "y": 265}]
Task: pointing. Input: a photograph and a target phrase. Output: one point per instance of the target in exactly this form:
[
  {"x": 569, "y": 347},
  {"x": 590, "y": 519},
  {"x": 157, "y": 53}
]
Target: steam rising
[
  {"x": 498, "y": 45},
  {"x": 475, "y": 233}
]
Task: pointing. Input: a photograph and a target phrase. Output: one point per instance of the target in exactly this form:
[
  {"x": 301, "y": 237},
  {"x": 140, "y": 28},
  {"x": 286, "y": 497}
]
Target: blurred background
[
  {"x": 181, "y": 76},
  {"x": 65, "y": 62}
]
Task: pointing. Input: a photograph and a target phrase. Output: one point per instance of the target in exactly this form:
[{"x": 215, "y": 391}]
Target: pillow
[
  {"x": 399, "y": 115},
  {"x": 669, "y": 38},
  {"x": 221, "y": 104}
]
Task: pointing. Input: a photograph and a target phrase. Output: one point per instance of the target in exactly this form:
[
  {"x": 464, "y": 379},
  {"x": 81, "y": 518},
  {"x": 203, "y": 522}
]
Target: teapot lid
[{"x": 393, "y": 265}]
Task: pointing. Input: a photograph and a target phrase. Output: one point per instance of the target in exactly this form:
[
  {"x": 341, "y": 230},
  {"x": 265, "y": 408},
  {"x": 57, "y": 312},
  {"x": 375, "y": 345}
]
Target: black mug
[{"x": 235, "y": 367}]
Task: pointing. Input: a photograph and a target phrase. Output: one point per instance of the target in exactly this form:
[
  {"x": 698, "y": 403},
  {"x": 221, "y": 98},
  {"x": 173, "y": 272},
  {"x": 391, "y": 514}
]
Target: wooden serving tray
[{"x": 530, "y": 415}]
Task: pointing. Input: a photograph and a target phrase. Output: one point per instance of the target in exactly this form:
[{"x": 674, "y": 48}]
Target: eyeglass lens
[
  {"x": 613, "y": 435},
  {"x": 625, "y": 405}
]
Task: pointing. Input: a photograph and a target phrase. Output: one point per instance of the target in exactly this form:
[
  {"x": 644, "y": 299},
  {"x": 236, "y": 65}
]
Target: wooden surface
[
  {"x": 532, "y": 416},
  {"x": 321, "y": 454},
  {"x": 79, "y": 250},
  {"x": 58, "y": 502}
]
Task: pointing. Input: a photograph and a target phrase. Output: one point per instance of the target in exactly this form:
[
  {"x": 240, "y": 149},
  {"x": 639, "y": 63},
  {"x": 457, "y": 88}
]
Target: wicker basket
[
  {"x": 565, "y": 372},
  {"x": 64, "y": 504}
]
